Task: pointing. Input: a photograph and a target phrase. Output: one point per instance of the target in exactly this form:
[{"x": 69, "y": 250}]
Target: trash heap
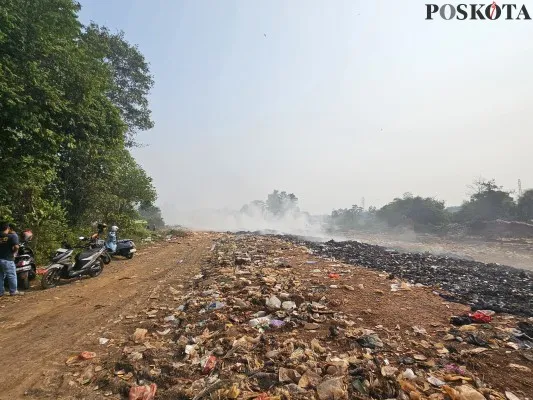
[
  {"x": 248, "y": 327},
  {"x": 483, "y": 286}
]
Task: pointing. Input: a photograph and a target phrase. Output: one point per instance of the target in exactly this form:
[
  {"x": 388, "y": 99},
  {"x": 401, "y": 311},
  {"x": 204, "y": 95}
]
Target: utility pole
[
  {"x": 519, "y": 188},
  {"x": 363, "y": 203}
]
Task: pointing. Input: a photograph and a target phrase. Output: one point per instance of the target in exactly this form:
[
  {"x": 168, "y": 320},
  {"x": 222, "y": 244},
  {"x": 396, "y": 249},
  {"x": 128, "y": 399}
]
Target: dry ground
[{"x": 42, "y": 329}]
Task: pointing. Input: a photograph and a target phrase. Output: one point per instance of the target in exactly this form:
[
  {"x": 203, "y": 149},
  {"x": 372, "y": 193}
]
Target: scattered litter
[
  {"x": 87, "y": 355},
  {"x": 252, "y": 327},
  {"x": 139, "y": 335},
  {"x": 146, "y": 392},
  {"x": 435, "y": 381}
]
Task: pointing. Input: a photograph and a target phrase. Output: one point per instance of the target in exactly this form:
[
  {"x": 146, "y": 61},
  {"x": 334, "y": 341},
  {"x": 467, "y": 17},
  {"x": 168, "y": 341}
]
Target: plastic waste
[
  {"x": 435, "y": 381},
  {"x": 87, "y": 355},
  {"x": 261, "y": 321},
  {"x": 460, "y": 320},
  {"x": 288, "y": 305},
  {"x": 273, "y": 302},
  {"x": 217, "y": 305},
  {"x": 209, "y": 364},
  {"x": 480, "y": 317},
  {"x": 146, "y": 392},
  {"x": 409, "y": 374},
  {"x": 332, "y": 389},
  {"x": 276, "y": 323},
  {"x": 370, "y": 341}
]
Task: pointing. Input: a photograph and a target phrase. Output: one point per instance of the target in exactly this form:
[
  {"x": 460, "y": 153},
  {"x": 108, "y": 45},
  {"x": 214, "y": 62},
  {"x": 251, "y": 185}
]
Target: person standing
[
  {"x": 111, "y": 242},
  {"x": 9, "y": 244}
]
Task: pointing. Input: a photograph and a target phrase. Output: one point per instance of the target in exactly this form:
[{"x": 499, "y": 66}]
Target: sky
[{"x": 331, "y": 100}]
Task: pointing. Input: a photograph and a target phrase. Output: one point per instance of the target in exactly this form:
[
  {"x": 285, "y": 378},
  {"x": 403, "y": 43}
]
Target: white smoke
[{"x": 254, "y": 218}]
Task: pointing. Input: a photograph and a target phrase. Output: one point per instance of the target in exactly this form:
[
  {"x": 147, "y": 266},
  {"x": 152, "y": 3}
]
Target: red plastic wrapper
[
  {"x": 209, "y": 365},
  {"x": 146, "y": 392},
  {"x": 480, "y": 317},
  {"x": 334, "y": 276}
]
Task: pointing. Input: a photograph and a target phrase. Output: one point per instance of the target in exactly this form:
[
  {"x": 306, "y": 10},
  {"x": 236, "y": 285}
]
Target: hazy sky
[{"x": 340, "y": 100}]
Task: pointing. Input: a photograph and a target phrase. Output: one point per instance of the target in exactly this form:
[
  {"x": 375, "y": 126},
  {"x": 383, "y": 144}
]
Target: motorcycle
[
  {"x": 125, "y": 248},
  {"x": 96, "y": 243},
  {"x": 25, "y": 262},
  {"x": 88, "y": 262}
]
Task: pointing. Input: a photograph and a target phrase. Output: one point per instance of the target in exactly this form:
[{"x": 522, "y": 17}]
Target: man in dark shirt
[{"x": 9, "y": 244}]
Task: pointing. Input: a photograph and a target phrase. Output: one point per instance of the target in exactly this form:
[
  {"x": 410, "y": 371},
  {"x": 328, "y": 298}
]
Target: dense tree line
[
  {"x": 72, "y": 98},
  {"x": 487, "y": 202}
]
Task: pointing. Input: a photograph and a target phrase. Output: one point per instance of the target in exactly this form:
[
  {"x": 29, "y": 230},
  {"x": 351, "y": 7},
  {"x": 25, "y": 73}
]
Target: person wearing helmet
[
  {"x": 100, "y": 234},
  {"x": 111, "y": 242}
]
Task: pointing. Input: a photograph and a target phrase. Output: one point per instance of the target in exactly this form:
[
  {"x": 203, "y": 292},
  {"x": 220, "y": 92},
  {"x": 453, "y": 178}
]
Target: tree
[
  {"x": 70, "y": 102},
  {"x": 488, "y": 201},
  {"x": 131, "y": 78},
  {"x": 254, "y": 208},
  {"x": 152, "y": 215},
  {"x": 421, "y": 213},
  {"x": 280, "y": 203},
  {"x": 525, "y": 206}
]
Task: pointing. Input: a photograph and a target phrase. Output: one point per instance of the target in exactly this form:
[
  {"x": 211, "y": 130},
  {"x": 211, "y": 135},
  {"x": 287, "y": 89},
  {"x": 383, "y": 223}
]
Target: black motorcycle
[
  {"x": 88, "y": 262},
  {"x": 25, "y": 263}
]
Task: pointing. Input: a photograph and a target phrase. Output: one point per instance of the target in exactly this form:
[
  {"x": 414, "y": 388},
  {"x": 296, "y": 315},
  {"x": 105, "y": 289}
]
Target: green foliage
[
  {"x": 152, "y": 215},
  {"x": 346, "y": 218},
  {"x": 280, "y": 203},
  {"x": 525, "y": 206},
  {"x": 131, "y": 77},
  {"x": 71, "y": 101},
  {"x": 487, "y": 202},
  {"x": 417, "y": 212}
]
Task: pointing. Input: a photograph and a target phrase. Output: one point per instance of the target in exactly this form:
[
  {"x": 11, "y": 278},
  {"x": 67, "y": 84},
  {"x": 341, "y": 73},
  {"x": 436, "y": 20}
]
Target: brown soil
[{"x": 41, "y": 329}]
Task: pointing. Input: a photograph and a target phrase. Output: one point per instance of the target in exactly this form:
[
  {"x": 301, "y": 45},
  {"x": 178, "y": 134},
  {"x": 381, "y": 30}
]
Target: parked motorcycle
[
  {"x": 88, "y": 262},
  {"x": 25, "y": 262},
  {"x": 96, "y": 243},
  {"x": 125, "y": 248}
]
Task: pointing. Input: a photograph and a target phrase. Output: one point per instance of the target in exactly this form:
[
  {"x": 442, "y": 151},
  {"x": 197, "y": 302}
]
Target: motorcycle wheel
[
  {"x": 50, "y": 279},
  {"x": 23, "y": 282},
  {"x": 129, "y": 256},
  {"x": 97, "y": 268},
  {"x": 33, "y": 273},
  {"x": 106, "y": 258}
]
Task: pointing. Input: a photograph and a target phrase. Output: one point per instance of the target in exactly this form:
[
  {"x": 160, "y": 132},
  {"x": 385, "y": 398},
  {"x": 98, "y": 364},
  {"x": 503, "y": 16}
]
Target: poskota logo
[{"x": 491, "y": 11}]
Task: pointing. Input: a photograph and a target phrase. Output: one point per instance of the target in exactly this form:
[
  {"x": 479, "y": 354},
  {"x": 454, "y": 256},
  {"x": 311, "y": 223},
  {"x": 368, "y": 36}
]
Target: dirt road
[{"x": 43, "y": 328}]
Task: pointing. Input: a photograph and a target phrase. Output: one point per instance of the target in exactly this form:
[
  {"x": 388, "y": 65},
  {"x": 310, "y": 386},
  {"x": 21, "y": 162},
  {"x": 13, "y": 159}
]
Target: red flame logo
[{"x": 493, "y": 9}]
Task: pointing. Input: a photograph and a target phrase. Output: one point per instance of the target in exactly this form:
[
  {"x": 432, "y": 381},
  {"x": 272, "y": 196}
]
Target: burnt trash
[{"x": 483, "y": 286}]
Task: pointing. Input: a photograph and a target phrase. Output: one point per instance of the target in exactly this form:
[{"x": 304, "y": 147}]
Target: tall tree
[
  {"x": 71, "y": 100},
  {"x": 131, "y": 77},
  {"x": 488, "y": 201},
  {"x": 525, "y": 206}
]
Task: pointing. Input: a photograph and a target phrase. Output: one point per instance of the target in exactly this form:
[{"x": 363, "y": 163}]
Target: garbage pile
[
  {"x": 482, "y": 286},
  {"x": 252, "y": 325}
]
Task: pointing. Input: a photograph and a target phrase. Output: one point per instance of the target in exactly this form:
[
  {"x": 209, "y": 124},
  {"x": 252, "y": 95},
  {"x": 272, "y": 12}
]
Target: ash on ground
[{"x": 482, "y": 286}]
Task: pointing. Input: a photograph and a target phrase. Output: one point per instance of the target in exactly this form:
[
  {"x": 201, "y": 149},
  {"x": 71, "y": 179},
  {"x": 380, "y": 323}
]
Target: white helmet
[{"x": 114, "y": 228}]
